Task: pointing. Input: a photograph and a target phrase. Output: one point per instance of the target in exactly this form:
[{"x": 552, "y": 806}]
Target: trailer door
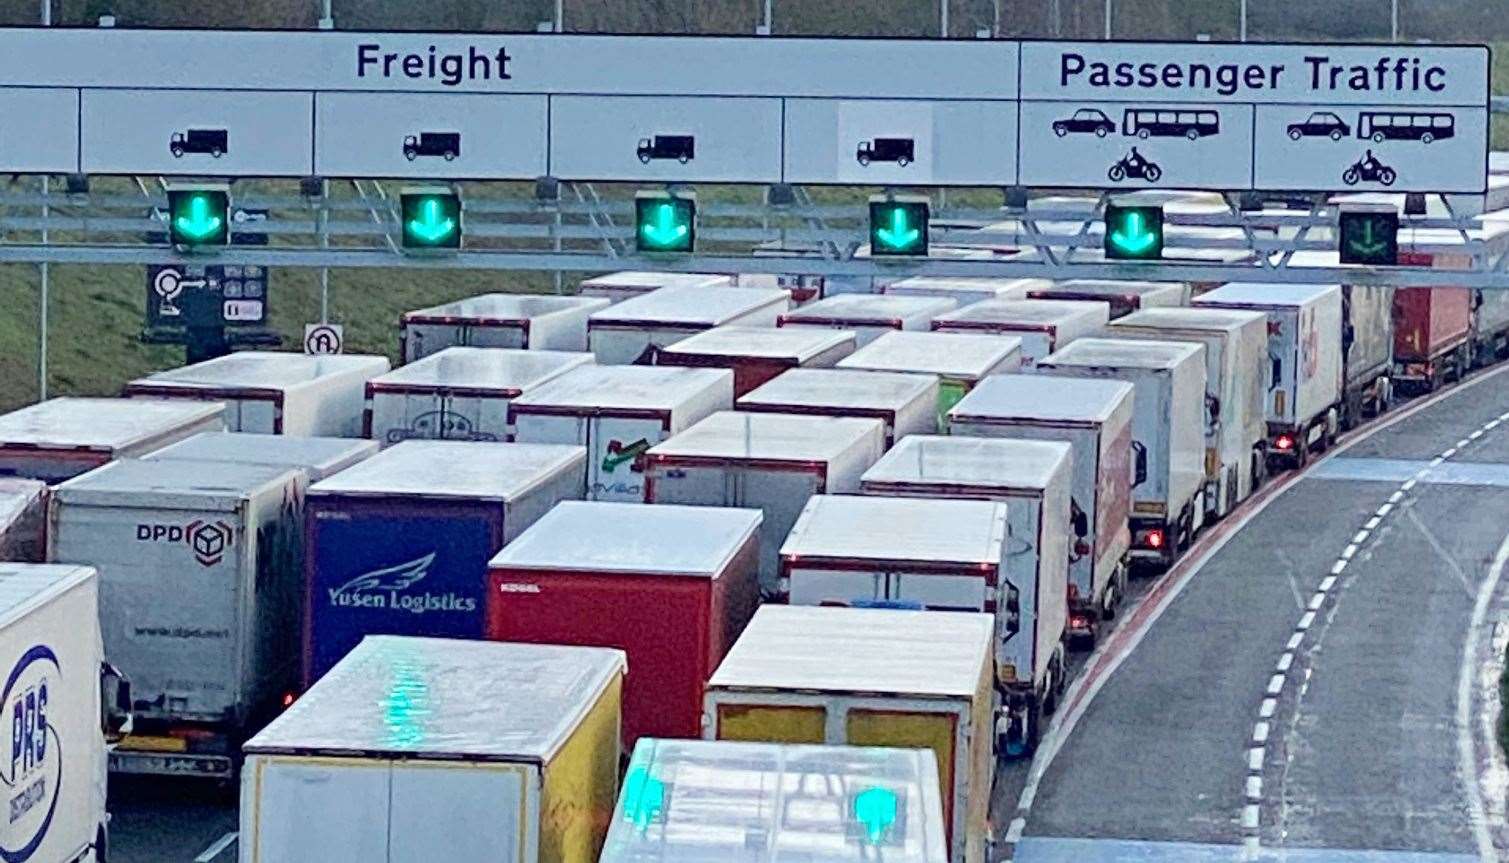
[
  {"x": 615, "y": 456},
  {"x": 352, "y": 793},
  {"x": 478, "y": 809}
]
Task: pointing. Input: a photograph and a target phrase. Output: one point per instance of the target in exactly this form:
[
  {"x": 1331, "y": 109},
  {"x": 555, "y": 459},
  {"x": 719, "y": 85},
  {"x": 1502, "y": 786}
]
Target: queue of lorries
[{"x": 816, "y": 561}]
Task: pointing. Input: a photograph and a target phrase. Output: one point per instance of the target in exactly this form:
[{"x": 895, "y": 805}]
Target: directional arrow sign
[
  {"x": 898, "y": 226},
  {"x": 875, "y": 808},
  {"x": 198, "y": 217},
  {"x": 1133, "y": 233},
  {"x": 664, "y": 223},
  {"x": 1369, "y": 237},
  {"x": 431, "y": 219},
  {"x": 432, "y": 225}
]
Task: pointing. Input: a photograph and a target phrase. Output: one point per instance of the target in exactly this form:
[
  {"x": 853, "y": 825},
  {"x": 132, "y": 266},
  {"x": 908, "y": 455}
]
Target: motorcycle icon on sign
[
  {"x": 1135, "y": 166},
  {"x": 1369, "y": 170}
]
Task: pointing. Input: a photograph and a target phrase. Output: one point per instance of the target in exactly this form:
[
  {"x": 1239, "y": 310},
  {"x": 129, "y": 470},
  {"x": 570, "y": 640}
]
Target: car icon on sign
[
  {"x": 1321, "y": 124},
  {"x": 1085, "y": 120}
]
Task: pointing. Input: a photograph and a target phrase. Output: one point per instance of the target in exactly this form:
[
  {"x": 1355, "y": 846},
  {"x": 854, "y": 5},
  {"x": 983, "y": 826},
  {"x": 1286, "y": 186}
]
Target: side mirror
[
  {"x": 1140, "y": 466},
  {"x": 115, "y": 703},
  {"x": 1079, "y": 520}
]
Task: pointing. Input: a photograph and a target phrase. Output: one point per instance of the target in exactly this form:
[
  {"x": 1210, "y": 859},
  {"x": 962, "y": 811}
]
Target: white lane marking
[
  {"x": 1477, "y": 433},
  {"x": 1275, "y": 684},
  {"x": 1326, "y": 584},
  {"x": 1305, "y": 621},
  {"x": 1014, "y": 832},
  {"x": 1436, "y": 462},
  {"x": 1255, "y": 758},
  {"x": 1395, "y": 497},
  {"x": 217, "y": 848},
  {"x": 1466, "y": 762},
  {"x": 1269, "y": 705},
  {"x": 1361, "y": 536},
  {"x": 1410, "y": 483},
  {"x": 1285, "y": 661},
  {"x": 1317, "y": 601},
  {"x": 1250, "y": 814},
  {"x": 1260, "y": 733},
  {"x": 1295, "y": 640},
  {"x": 1338, "y": 566},
  {"x": 1351, "y": 549},
  {"x": 1254, "y": 788},
  {"x": 1372, "y": 522}
]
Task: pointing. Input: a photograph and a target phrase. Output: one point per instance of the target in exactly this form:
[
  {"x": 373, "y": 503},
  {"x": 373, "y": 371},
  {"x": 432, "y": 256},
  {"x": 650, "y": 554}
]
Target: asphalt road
[{"x": 1239, "y": 722}]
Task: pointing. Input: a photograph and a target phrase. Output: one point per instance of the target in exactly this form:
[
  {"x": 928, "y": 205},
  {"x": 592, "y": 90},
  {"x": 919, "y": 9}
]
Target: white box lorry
[
  {"x": 617, "y": 287},
  {"x": 633, "y": 331},
  {"x": 1304, "y": 369},
  {"x": 440, "y": 749},
  {"x": 964, "y": 291},
  {"x": 1168, "y": 434},
  {"x": 757, "y": 354},
  {"x": 699, "y": 801},
  {"x": 317, "y": 457},
  {"x": 529, "y": 322},
  {"x": 1044, "y": 326},
  {"x": 869, "y": 316},
  {"x": 1095, "y": 418},
  {"x": 458, "y": 393},
  {"x": 618, "y": 413},
  {"x": 1032, "y": 478},
  {"x": 960, "y": 360},
  {"x": 870, "y": 677},
  {"x": 274, "y": 392},
  {"x": 23, "y": 520},
  {"x": 1236, "y": 347},
  {"x": 906, "y": 403},
  {"x": 200, "y": 569},
  {"x": 61, "y": 438},
  {"x": 62, "y": 702},
  {"x": 1123, "y": 297},
  {"x": 769, "y": 462}
]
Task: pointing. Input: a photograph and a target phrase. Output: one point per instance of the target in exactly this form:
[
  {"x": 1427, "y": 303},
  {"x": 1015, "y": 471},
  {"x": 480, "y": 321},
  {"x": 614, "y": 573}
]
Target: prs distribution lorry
[
  {"x": 869, "y": 316},
  {"x": 960, "y": 360},
  {"x": 438, "y": 749},
  {"x": 1168, "y": 433},
  {"x": 870, "y": 677},
  {"x": 697, "y": 801},
  {"x": 757, "y": 354},
  {"x": 199, "y": 598},
  {"x": 907, "y": 404},
  {"x": 273, "y": 392},
  {"x": 59, "y": 439},
  {"x": 1304, "y": 377},
  {"x": 1044, "y": 326},
  {"x": 618, "y": 413},
  {"x": 1236, "y": 344},
  {"x": 528, "y": 322},
  {"x": 61, "y": 702},
  {"x": 634, "y": 331},
  {"x": 769, "y": 462},
  {"x": 671, "y": 586},
  {"x": 459, "y": 393},
  {"x": 1095, "y": 418},
  {"x": 1032, "y": 479}
]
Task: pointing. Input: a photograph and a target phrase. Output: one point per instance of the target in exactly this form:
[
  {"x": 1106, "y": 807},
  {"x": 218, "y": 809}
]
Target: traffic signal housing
[
  {"x": 1369, "y": 236},
  {"x": 898, "y": 226},
  {"x": 1133, "y": 233},
  {"x": 665, "y": 223},
  {"x": 199, "y": 217},
  {"x": 431, "y": 219}
]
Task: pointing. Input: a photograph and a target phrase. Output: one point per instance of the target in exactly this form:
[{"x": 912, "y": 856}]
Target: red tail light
[
  {"x": 1284, "y": 443},
  {"x": 1079, "y": 621},
  {"x": 1153, "y": 539},
  {"x": 288, "y": 699}
]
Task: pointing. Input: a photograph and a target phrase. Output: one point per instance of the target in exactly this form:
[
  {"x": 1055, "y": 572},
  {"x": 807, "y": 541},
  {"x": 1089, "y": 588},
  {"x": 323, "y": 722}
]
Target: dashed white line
[
  {"x": 1384, "y": 510},
  {"x": 1250, "y": 815},
  {"x": 1326, "y": 584},
  {"x": 1338, "y": 566},
  {"x": 1317, "y": 601},
  {"x": 1276, "y": 684},
  {"x": 1295, "y": 640},
  {"x": 1410, "y": 483},
  {"x": 1479, "y": 432},
  {"x": 1372, "y": 522},
  {"x": 1269, "y": 705},
  {"x": 1396, "y": 497},
  {"x": 1285, "y": 661},
  {"x": 1255, "y": 758},
  {"x": 1305, "y": 621},
  {"x": 1260, "y": 733},
  {"x": 1254, "y": 788}
]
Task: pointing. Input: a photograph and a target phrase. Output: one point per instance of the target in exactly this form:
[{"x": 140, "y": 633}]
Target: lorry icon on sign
[
  {"x": 215, "y": 142},
  {"x": 682, "y": 148},
  {"x": 446, "y": 145},
  {"x": 902, "y": 151}
]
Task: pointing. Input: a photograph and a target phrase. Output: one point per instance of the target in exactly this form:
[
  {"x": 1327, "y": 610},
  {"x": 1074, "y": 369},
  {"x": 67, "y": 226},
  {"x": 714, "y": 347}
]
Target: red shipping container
[
  {"x": 1430, "y": 322},
  {"x": 671, "y": 586}
]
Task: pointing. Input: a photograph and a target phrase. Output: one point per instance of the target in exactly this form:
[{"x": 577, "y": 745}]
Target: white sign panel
[
  {"x": 449, "y": 136},
  {"x": 39, "y": 130},
  {"x": 324, "y": 339},
  {"x": 701, "y": 139},
  {"x": 900, "y": 142},
  {"x": 1137, "y": 146},
  {"x": 196, "y": 132}
]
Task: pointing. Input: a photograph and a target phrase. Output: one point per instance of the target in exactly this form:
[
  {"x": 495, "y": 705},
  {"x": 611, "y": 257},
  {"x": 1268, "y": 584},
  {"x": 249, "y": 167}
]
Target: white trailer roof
[
  {"x": 445, "y": 697},
  {"x": 500, "y": 308},
  {"x": 736, "y": 435},
  {"x": 505, "y": 371},
  {"x": 1265, "y": 294},
  {"x": 702, "y": 801},
  {"x": 24, "y": 585},
  {"x": 1029, "y": 311},
  {"x": 987, "y": 463},
  {"x": 797, "y": 343},
  {"x": 171, "y": 482},
  {"x": 606, "y": 536},
  {"x": 986, "y": 287},
  {"x": 1123, "y": 353},
  {"x": 840, "y": 387},
  {"x": 17, "y": 494},
  {"x": 265, "y": 370},
  {"x": 453, "y": 469},
  {"x": 317, "y": 456},
  {"x": 636, "y": 279},
  {"x": 934, "y": 530},
  {"x": 1110, "y": 288},
  {"x": 1204, "y": 319},
  {"x": 865, "y": 308},
  {"x": 881, "y": 650},
  {"x": 968, "y": 356},
  {"x": 690, "y": 305},
  {"x": 101, "y": 423},
  {"x": 1043, "y": 397},
  {"x": 630, "y": 387}
]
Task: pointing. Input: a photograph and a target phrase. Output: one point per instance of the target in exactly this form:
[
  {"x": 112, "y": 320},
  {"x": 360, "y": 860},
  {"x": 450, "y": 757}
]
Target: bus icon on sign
[
  {"x": 1411, "y": 126},
  {"x": 215, "y": 142},
  {"x": 1161, "y": 123}
]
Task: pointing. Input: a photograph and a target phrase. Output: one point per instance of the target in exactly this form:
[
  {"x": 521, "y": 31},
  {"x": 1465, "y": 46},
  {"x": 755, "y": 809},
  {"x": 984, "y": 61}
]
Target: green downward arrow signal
[
  {"x": 900, "y": 234},
  {"x": 1133, "y": 237},
  {"x": 200, "y": 222},
  {"x": 876, "y": 810},
  {"x": 665, "y": 230},
  {"x": 432, "y": 225},
  {"x": 1368, "y": 246}
]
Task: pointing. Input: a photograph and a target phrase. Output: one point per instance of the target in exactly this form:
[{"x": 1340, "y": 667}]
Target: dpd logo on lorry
[
  {"x": 207, "y": 539},
  {"x": 32, "y": 776},
  {"x": 388, "y": 588}
]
